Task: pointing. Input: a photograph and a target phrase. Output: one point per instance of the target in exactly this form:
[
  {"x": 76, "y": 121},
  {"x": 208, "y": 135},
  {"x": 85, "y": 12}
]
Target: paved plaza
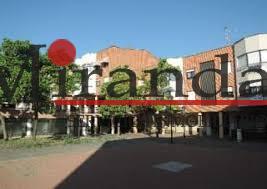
[{"x": 139, "y": 162}]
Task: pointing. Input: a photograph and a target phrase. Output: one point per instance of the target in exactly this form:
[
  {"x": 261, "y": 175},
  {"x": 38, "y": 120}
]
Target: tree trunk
[{"x": 2, "y": 120}]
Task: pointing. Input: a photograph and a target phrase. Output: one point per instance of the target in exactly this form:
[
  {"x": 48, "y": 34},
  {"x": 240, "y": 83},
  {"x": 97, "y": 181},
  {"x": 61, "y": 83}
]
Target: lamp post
[
  {"x": 200, "y": 123},
  {"x": 171, "y": 123},
  {"x": 183, "y": 112},
  {"x": 156, "y": 120},
  {"x": 168, "y": 90}
]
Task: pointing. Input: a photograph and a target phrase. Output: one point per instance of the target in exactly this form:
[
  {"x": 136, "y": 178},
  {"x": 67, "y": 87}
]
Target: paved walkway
[{"x": 140, "y": 162}]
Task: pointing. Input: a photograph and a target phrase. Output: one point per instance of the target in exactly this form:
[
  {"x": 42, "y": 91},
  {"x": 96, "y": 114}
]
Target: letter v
[{"x": 9, "y": 93}]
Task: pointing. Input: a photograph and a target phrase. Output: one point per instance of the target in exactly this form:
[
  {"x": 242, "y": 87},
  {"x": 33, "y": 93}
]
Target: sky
[{"x": 166, "y": 28}]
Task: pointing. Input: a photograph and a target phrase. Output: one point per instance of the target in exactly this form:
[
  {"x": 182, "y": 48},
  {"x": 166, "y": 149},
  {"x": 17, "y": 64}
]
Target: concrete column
[
  {"x": 239, "y": 135},
  {"x": 86, "y": 109},
  {"x": 221, "y": 125},
  {"x": 199, "y": 124},
  {"x": 69, "y": 124},
  {"x": 84, "y": 131},
  {"x": 112, "y": 125},
  {"x": 232, "y": 124},
  {"x": 96, "y": 106},
  {"x": 90, "y": 123},
  {"x": 96, "y": 118},
  {"x": 135, "y": 125},
  {"x": 162, "y": 126},
  {"x": 119, "y": 128},
  {"x": 187, "y": 130},
  {"x": 153, "y": 127},
  {"x": 29, "y": 128},
  {"x": 84, "y": 126},
  {"x": 68, "y": 108},
  {"x": 95, "y": 124},
  {"x": 208, "y": 125}
]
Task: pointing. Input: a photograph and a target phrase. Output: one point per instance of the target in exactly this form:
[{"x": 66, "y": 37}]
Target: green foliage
[
  {"x": 142, "y": 90},
  {"x": 123, "y": 87},
  {"x": 15, "y": 59},
  {"x": 163, "y": 82}
]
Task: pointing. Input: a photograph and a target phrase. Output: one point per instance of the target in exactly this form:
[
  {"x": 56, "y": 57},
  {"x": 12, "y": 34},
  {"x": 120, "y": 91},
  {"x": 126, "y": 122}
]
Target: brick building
[
  {"x": 135, "y": 59},
  {"x": 215, "y": 119}
]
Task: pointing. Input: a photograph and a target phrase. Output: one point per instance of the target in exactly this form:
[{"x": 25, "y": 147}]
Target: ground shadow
[{"x": 129, "y": 164}]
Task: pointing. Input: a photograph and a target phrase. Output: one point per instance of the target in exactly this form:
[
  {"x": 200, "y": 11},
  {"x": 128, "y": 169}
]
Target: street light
[
  {"x": 183, "y": 112},
  {"x": 157, "y": 133},
  {"x": 171, "y": 122}
]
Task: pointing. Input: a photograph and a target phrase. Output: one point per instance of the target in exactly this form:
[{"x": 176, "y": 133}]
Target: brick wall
[
  {"x": 194, "y": 62},
  {"x": 136, "y": 60}
]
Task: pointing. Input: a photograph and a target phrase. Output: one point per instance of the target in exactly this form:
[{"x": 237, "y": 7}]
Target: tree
[
  {"x": 163, "y": 83},
  {"x": 15, "y": 80},
  {"x": 116, "y": 111},
  {"x": 142, "y": 90}
]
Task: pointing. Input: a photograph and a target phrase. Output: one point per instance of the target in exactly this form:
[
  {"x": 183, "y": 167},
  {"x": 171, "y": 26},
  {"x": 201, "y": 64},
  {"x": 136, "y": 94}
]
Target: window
[
  {"x": 264, "y": 56},
  {"x": 253, "y": 58},
  {"x": 190, "y": 74},
  {"x": 242, "y": 61},
  {"x": 264, "y": 66},
  {"x": 229, "y": 67},
  {"x": 228, "y": 90}
]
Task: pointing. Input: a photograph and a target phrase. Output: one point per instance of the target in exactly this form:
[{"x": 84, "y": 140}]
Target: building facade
[
  {"x": 220, "y": 120},
  {"x": 137, "y": 60},
  {"x": 250, "y": 53},
  {"x": 215, "y": 119}
]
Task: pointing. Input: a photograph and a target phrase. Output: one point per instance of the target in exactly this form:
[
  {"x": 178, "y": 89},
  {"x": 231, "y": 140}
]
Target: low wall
[{"x": 17, "y": 127}]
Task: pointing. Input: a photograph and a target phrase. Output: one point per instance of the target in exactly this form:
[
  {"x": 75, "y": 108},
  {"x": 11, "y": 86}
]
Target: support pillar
[
  {"x": 85, "y": 109},
  {"x": 89, "y": 121},
  {"x": 69, "y": 124},
  {"x": 68, "y": 109},
  {"x": 200, "y": 124},
  {"x": 84, "y": 126},
  {"x": 95, "y": 124},
  {"x": 208, "y": 125},
  {"x": 232, "y": 124},
  {"x": 96, "y": 118},
  {"x": 162, "y": 126},
  {"x": 220, "y": 125},
  {"x": 135, "y": 125},
  {"x": 153, "y": 127},
  {"x": 239, "y": 135},
  {"x": 112, "y": 125},
  {"x": 238, "y": 130},
  {"x": 29, "y": 128},
  {"x": 119, "y": 128}
]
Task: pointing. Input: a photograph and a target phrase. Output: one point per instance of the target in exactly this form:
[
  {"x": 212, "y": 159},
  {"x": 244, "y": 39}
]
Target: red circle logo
[{"x": 62, "y": 52}]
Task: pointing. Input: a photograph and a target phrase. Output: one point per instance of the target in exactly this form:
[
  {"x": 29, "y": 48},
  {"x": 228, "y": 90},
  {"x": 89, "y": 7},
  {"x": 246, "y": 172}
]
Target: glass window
[
  {"x": 264, "y": 56},
  {"x": 253, "y": 58},
  {"x": 190, "y": 74},
  {"x": 264, "y": 66},
  {"x": 242, "y": 61},
  {"x": 229, "y": 67}
]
